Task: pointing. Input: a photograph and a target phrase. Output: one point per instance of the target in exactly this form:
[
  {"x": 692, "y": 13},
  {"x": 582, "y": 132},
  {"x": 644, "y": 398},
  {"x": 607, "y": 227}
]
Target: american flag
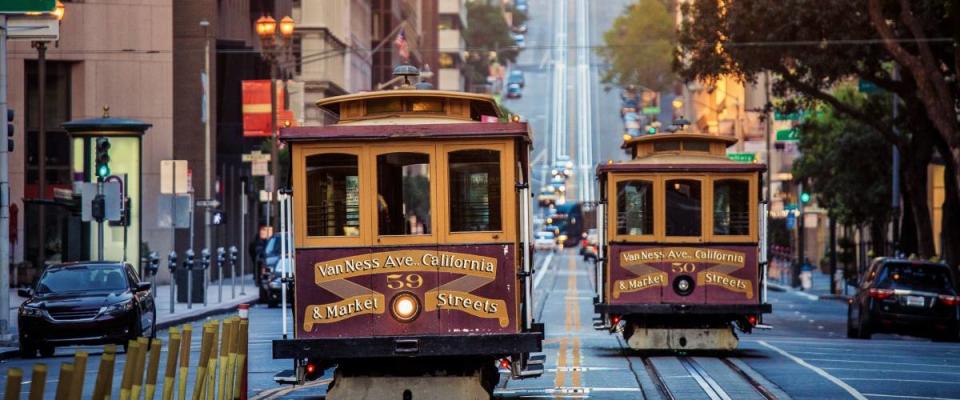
[{"x": 403, "y": 48}]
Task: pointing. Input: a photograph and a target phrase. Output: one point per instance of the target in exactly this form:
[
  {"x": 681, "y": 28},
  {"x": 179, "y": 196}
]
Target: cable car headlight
[
  {"x": 683, "y": 285},
  {"x": 405, "y": 307}
]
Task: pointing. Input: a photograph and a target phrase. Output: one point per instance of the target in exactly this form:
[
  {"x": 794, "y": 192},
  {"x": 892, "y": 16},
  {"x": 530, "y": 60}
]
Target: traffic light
[
  {"x": 103, "y": 157},
  {"x": 10, "y": 130},
  {"x": 651, "y": 130},
  {"x": 99, "y": 208},
  {"x": 804, "y": 197}
]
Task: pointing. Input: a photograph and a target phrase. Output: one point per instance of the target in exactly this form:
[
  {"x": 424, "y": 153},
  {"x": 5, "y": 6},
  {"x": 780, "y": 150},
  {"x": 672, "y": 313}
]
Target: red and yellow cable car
[{"x": 410, "y": 232}]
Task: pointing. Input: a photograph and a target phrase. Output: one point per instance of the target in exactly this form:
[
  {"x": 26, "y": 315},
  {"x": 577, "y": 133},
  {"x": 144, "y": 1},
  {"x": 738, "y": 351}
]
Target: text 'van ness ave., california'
[
  {"x": 682, "y": 254},
  {"x": 405, "y": 261}
]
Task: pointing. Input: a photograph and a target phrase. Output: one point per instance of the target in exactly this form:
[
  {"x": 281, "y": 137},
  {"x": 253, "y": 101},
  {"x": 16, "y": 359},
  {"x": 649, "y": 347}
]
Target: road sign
[
  {"x": 166, "y": 218},
  {"x": 788, "y": 135},
  {"x": 791, "y": 221},
  {"x": 113, "y": 200},
  {"x": 208, "y": 203},
  {"x": 259, "y": 168},
  {"x": 173, "y": 171},
  {"x": 743, "y": 157},
  {"x": 27, "y": 6},
  {"x": 255, "y": 155},
  {"x": 794, "y": 116},
  {"x": 33, "y": 27}
]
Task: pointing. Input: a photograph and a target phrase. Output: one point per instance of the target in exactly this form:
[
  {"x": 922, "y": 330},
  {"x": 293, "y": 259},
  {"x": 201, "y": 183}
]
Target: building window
[
  {"x": 57, "y": 111},
  {"x": 683, "y": 205},
  {"x": 731, "y": 207},
  {"x": 403, "y": 194},
  {"x": 333, "y": 195},
  {"x": 474, "y": 190},
  {"x": 635, "y": 208}
]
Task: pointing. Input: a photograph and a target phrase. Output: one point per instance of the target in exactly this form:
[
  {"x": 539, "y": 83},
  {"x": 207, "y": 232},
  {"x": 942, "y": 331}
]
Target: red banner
[{"x": 256, "y": 108}]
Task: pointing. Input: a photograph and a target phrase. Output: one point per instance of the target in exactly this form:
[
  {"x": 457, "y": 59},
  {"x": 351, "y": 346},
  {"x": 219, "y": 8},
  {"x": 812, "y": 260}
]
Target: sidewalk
[
  {"x": 165, "y": 318},
  {"x": 779, "y": 281}
]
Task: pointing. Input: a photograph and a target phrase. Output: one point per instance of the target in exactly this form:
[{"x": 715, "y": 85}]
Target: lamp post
[
  {"x": 41, "y": 47},
  {"x": 274, "y": 43}
]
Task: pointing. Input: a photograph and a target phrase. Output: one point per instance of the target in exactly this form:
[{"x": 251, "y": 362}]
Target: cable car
[
  {"x": 412, "y": 252},
  {"x": 681, "y": 262}
]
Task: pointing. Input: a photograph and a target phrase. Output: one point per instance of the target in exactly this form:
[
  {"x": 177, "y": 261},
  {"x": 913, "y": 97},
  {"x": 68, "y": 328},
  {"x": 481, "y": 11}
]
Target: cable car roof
[{"x": 679, "y": 152}]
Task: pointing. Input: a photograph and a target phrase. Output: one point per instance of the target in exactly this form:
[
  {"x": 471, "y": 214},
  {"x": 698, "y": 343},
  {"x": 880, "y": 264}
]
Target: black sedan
[
  {"x": 85, "y": 303},
  {"x": 907, "y": 297}
]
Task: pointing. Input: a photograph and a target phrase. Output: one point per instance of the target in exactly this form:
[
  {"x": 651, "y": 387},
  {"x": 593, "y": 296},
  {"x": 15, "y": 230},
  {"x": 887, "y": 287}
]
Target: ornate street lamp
[{"x": 271, "y": 49}]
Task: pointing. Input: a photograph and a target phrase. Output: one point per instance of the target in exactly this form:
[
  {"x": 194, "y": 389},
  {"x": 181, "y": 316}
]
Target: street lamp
[
  {"x": 41, "y": 47},
  {"x": 272, "y": 48}
]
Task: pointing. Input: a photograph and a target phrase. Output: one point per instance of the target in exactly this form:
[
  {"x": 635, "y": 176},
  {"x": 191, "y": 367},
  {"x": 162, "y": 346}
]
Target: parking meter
[
  {"x": 188, "y": 264},
  {"x": 172, "y": 261},
  {"x": 154, "y": 263},
  {"x": 188, "y": 260},
  {"x": 221, "y": 255},
  {"x": 204, "y": 258}
]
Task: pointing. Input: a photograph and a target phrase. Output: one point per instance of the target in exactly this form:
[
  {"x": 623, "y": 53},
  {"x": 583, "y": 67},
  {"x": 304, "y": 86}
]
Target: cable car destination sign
[{"x": 477, "y": 271}]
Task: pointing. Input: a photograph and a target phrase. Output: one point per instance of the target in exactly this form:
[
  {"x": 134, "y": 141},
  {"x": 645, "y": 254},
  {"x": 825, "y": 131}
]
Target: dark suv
[
  {"x": 908, "y": 297},
  {"x": 85, "y": 303}
]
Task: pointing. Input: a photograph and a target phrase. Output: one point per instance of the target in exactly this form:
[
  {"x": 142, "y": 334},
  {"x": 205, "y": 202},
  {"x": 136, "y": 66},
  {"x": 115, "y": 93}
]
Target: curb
[
  {"x": 838, "y": 297},
  {"x": 194, "y": 315},
  {"x": 8, "y": 354}
]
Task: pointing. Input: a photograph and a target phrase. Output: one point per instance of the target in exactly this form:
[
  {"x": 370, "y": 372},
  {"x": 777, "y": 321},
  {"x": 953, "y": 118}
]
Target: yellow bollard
[
  {"x": 228, "y": 386},
  {"x": 39, "y": 380},
  {"x": 136, "y": 384},
  {"x": 184, "y": 360},
  {"x": 238, "y": 385},
  {"x": 110, "y": 349},
  {"x": 101, "y": 390},
  {"x": 14, "y": 377},
  {"x": 169, "y": 375},
  {"x": 133, "y": 348},
  {"x": 202, "y": 361},
  {"x": 224, "y": 356},
  {"x": 150, "y": 387},
  {"x": 211, "y": 381},
  {"x": 63, "y": 386},
  {"x": 79, "y": 370}
]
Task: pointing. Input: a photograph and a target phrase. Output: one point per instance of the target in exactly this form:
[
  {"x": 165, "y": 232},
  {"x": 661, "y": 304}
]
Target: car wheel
[
  {"x": 47, "y": 350},
  {"x": 27, "y": 350},
  {"x": 851, "y": 328}
]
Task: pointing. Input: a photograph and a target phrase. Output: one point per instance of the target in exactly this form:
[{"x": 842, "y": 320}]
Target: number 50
[{"x": 398, "y": 281}]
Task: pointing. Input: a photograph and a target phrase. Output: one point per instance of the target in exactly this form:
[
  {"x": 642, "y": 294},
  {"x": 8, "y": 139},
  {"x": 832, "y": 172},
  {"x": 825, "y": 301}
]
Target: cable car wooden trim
[
  {"x": 659, "y": 180},
  {"x": 466, "y": 106},
  {"x": 408, "y": 131}
]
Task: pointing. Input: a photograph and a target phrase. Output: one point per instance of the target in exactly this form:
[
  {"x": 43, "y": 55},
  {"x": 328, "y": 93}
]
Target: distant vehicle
[
  {"x": 546, "y": 197},
  {"x": 514, "y": 91},
  {"x": 545, "y": 240},
  {"x": 563, "y": 161},
  {"x": 270, "y": 273},
  {"x": 520, "y": 39},
  {"x": 522, "y": 28},
  {"x": 92, "y": 302},
  {"x": 520, "y": 5},
  {"x": 516, "y": 76},
  {"x": 907, "y": 297},
  {"x": 559, "y": 183}
]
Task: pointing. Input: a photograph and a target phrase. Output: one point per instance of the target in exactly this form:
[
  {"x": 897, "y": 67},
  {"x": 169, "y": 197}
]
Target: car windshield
[
  {"x": 81, "y": 278},
  {"x": 907, "y": 276},
  {"x": 544, "y": 235}
]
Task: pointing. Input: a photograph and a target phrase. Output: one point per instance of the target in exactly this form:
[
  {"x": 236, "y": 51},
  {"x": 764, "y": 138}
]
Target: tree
[
  {"x": 812, "y": 46},
  {"x": 487, "y": 31},
  {"x": 639, "y": 46},
  {"x": 852, "y": 187}
]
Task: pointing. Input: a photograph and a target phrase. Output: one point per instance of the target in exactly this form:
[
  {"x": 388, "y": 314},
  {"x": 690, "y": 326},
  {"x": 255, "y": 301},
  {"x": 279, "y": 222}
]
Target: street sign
[
  {"x": 268, "y": 183},
  {"x": 33, "y": 27},
  {"x": 791, "y": 221},
  {"x": 651, "y": 110},
  {"x": 113, "y": 200},
  {"x": 173, "y": 171},
  {"x": 265, "y": 195},
  {"x": 208, "y": 203},
  {"x": 254, "y": 156},
  {"x": 166, "y": 218},
  {"x": 88, "y": 191},
  {"x": 743, "y": 157},
  {"x": 794, "y": 116},
  {"x": 27, "y": 6},
  {"x": 259, "y": 168},
  {"x": 867, "y": 87},
  {"x": 788, "y": 135}
]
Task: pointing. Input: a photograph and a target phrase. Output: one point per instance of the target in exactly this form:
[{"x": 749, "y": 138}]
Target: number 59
[{"x": 398, "y": 281}]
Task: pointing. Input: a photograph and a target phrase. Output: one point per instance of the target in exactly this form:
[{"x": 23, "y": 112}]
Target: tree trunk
[
  {"x": 916, "y": 184},
  {"x": 950, "y": 220},
  {"x": 908, "y": 227}
]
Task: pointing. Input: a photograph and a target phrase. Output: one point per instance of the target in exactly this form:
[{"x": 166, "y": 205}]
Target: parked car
[
  {"x": 522, "y": 28},
  {"x": 516, "y": 76},
  {"x": 90, "y": 302},
  {"x": 520, "y": 40},
  {"x": 907, "y": 297},
  {"x": 545, "y": 240},
  {"x": 514, "y": 91},
  {"x": 270, "y": 274}
]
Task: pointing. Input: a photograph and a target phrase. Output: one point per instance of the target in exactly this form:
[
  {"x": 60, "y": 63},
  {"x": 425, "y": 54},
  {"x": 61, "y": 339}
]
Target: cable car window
[
  {"x": 403, "y": 194},
  {"x": 474, "y": 190},
  {"x": 635, "y": 208},
  {"x": 696, "y": 146},
  {"x": 667, "y": 145},
  {"x": 683, "y": 205},
  {"x": 381, "y": 106},
  {"x": 333, "y": 195},
  {"x": 731, "y": 207}
]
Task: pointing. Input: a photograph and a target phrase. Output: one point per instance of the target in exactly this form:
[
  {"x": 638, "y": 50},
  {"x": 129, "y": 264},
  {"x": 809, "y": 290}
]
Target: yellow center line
[{"x": 574, "y": 304}]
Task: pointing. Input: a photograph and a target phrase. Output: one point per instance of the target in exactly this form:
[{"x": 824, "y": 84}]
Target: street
[{"x": 805, "y": 356}]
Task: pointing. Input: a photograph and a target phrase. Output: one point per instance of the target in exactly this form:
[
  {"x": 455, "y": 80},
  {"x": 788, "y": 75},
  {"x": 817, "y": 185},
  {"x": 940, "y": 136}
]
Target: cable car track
[{"x": 728, "y": 383}]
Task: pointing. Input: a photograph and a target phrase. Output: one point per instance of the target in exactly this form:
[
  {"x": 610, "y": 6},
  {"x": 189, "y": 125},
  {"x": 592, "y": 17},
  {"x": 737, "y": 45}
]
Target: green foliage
[
  {"x": 846, "y": 163},
  {"x": 640, "y": 46},
  {"x": 486, "y": 31}
]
